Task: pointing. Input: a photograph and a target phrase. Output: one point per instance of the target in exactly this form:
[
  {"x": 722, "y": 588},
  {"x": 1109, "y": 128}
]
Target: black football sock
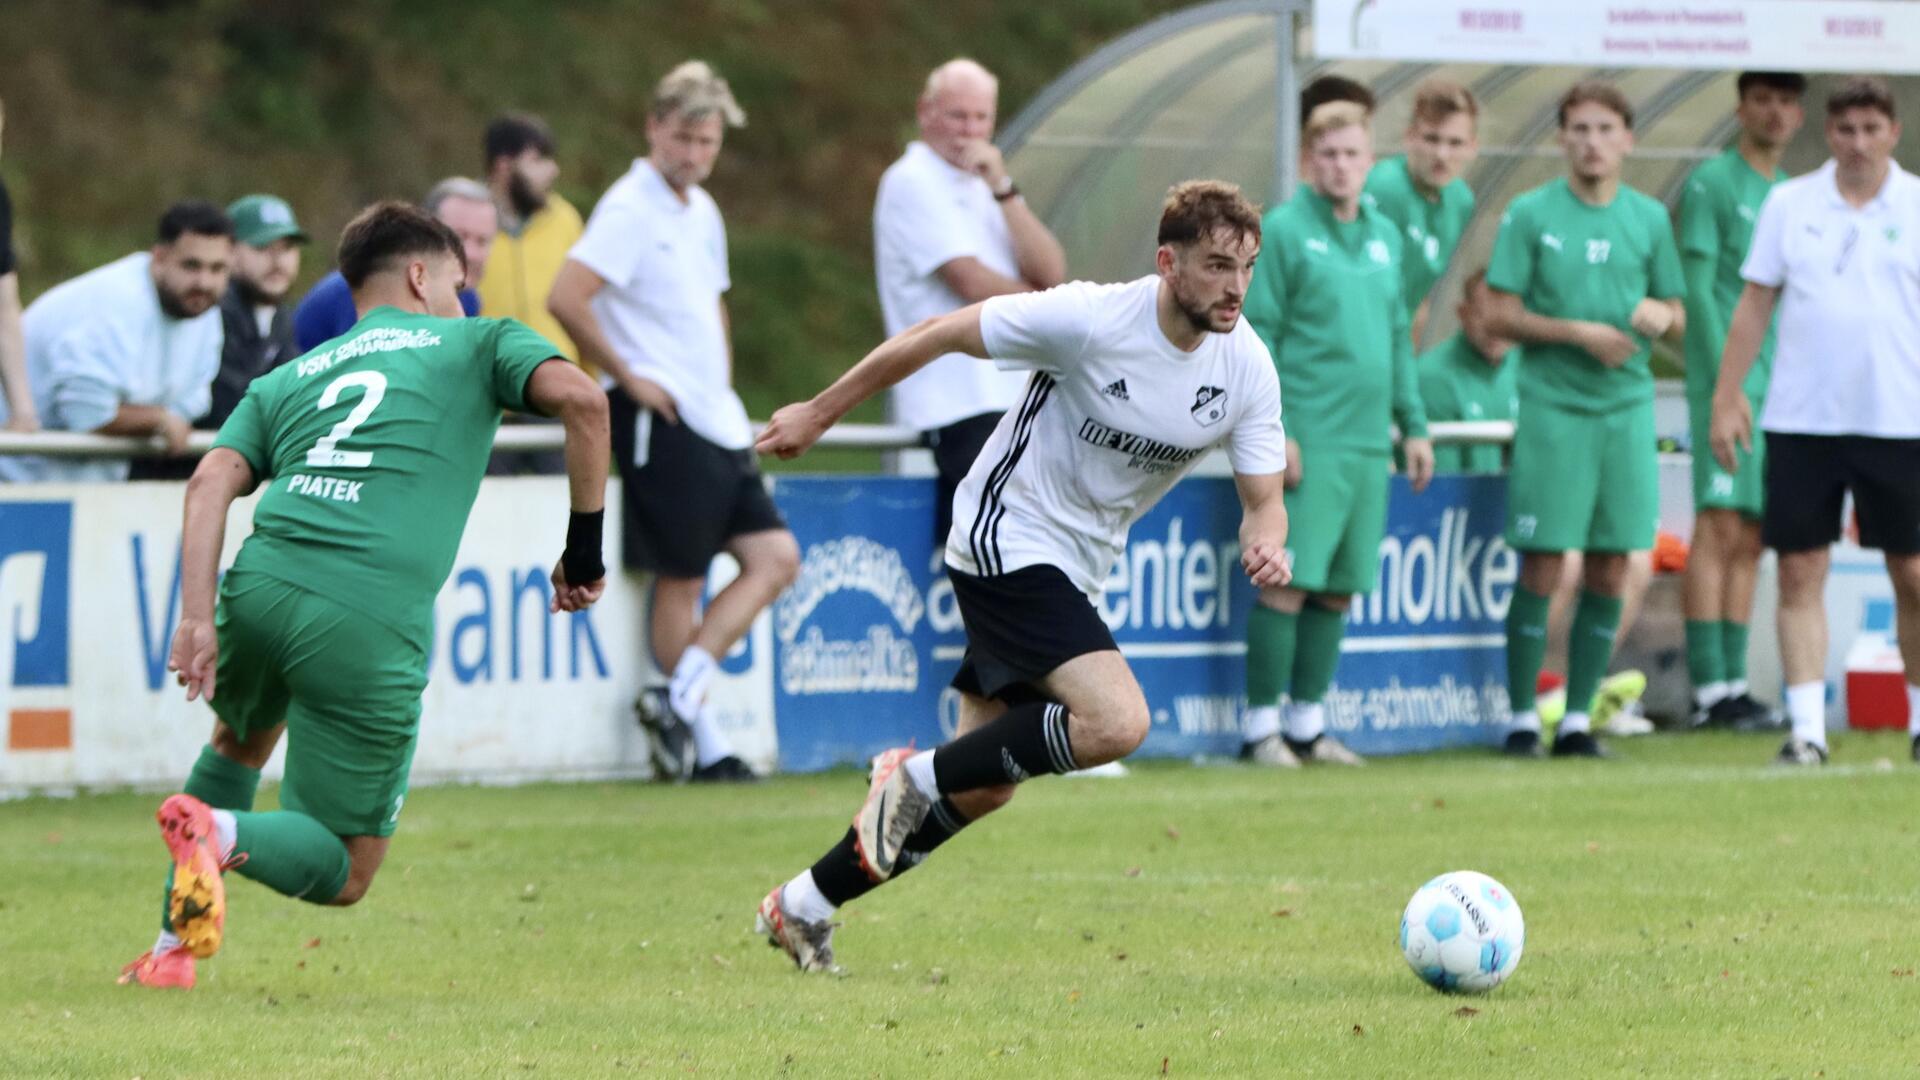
[
  {"x": 1026, "y": 740},
  {"x": 838, "y": 874}
]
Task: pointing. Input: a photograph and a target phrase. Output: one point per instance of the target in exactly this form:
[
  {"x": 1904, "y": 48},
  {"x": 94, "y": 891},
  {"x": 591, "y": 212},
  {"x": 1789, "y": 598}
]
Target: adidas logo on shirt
[{"x": 1117, "y": 389}]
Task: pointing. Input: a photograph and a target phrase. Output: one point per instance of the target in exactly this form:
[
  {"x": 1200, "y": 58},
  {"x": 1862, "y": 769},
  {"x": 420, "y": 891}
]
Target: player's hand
[
  {"x": 651, "y": 395},
  {"x": 176, "y": 430},
  {"x": 792, "y": 431},
  {"x": 1267, "y": 564},
  {"x": 983, "y": 160},
  {"x": 195, "y": 656},
  {"x": 1296, "y": 472},
  {"x": 1610, "y": 345},
  {"x": 1419, "y": 455},
  {"x": 1652, "y": 318},
  {"x": 570, "y": 597},
  {"x": 1732, "y": 428}
]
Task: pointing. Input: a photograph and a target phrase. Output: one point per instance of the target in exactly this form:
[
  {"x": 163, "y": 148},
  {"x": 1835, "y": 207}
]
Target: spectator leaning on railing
[
  {"x": 15, "y": 396},
  {"x": 463, "y": 205},
  {"x": 132, "y": 347}
]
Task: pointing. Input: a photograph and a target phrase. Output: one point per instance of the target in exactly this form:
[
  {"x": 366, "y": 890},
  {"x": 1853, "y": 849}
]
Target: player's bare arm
[
  {"x": 1510, "y": 318},
  {"x": 561, "y": 390},
  {"x": 571, "y": 302},
  {"x": 1732, "y": 413},
  {"x": 795, "y": 428},
  {"x": 222, "y": 477},
  {"x": 1263, "y": 528},
  {"x": 1660, "y": 319}
]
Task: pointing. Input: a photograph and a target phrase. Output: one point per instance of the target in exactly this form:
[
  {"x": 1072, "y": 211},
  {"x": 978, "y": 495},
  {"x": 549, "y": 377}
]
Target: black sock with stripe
[
  {"x": 839, "y": 877},
  {"x": 1026, "y": 740}
]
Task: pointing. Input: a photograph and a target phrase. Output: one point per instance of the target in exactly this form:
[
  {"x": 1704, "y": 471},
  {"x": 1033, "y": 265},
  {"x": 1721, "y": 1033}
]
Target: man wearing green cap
[{"x": 266, "y": 259}]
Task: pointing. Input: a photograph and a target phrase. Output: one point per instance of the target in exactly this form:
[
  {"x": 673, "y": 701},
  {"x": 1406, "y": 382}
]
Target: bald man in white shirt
[{"x": 950, "y": 228}]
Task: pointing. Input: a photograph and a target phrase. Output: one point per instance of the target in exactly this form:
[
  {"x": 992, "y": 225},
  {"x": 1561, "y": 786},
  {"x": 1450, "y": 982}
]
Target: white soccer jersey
[{"x": 1112, "y": 417}]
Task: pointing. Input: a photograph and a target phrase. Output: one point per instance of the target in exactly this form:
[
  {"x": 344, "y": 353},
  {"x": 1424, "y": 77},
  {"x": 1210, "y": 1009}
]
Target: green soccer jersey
[
  {"x": 1568, "y": 260},
  {"x": 1717, "y": 214},
  {"x": 1430, "y": 228},
  {"x": 375, "y": 443},
  {"x": 1326, "y": 300},
  {"x": 1457, "y": 383}
]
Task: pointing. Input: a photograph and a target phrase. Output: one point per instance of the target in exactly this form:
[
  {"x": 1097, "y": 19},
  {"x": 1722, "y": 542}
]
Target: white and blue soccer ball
[{"x": 1463, "y": 932}]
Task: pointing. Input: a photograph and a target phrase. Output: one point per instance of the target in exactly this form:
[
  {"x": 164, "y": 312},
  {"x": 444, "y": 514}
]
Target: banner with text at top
[{"x": 1791, "y": 35}]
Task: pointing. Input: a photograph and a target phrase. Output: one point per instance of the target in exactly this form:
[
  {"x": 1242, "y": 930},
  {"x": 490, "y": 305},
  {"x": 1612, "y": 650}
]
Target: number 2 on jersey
[{"x": 325, "y": 451}]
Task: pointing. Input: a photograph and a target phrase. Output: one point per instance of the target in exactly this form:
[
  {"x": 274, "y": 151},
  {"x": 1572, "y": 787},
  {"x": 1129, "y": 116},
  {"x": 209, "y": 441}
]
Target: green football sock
[
  {"x": 1318, "y": 655},
  {"x": 221, "y": 783},
  {"x": 1706, "y": 653},
  {"x": 1733, "y": 645},
  {"x": 1526, "y": 647},
  {"x": 1272, "y": 637},
  {"x": 292, "y": 854},
  {"x": 1590, "y": 646}
]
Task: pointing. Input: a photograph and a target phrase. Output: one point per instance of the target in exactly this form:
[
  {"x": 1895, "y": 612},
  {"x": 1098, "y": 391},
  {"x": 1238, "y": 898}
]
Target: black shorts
[
  {"x": 683, "y": 497},
  {"x": 1020, "y": 627},
  {"x": 954, "y": 448},
  {"x": 1808, "y": 477}
]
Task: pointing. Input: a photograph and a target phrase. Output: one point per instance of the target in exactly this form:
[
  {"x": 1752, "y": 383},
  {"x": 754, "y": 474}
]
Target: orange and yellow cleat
[
  {"x": 197, "y": 905},
  {"x": 168, "y": 969}
]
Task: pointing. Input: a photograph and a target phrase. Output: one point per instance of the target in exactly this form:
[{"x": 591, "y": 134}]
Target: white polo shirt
[
  {"x": 100, "y": 341},
  {"x": 665, "y": 264},
  {"x": 1847, "y": 358},
  {"x": 928, "y": 214}
]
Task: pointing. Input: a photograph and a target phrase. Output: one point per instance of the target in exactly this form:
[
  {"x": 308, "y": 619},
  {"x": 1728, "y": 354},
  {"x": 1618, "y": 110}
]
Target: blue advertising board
[{"x": 867, "y": 639}]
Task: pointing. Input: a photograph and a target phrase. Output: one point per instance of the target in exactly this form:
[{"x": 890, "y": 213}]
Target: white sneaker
[
  {"x": 1271, "y": 751},
  {"x": 1327, "y": 750}
]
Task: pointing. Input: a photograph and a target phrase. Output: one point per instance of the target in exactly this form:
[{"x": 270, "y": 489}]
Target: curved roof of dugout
[{"x": 1212, "y": 91}]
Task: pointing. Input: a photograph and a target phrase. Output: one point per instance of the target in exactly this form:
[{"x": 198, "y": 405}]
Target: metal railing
[{"x": 66, "y": 444}]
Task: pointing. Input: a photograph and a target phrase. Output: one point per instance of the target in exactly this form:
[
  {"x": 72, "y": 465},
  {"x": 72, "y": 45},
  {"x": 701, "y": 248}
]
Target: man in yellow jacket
[{"x": 537, "y": 226}]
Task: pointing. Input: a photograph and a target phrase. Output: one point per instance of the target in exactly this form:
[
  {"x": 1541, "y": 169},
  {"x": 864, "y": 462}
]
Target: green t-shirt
[
  {"x": 1717, "y": 213},
  {"x": 1326, "y": 301},
  {"x": 1431, "y": 230},
  {"x": 1568, "y": 260},
  {"x": 1457, "y": 383},
  {"x": 375, "y": 443}
]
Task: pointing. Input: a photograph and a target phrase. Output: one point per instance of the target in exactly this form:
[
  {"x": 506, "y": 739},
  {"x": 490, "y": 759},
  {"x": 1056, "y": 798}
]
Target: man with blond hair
[
  {"x": 950, "y": 229},
  {"x": 642, "y": 296},
  {"x": 1041, "y": 518},
  {"x": 1328, "y": 302},
  {"x": 1424, "y": 190}
]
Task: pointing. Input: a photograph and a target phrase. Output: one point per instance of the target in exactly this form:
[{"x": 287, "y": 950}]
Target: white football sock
[
  {"x": 709, "y": 743},
  {"x": 226, "y": 831},
  {"x": 168, "y": 940},
  {"x": 1736, "y": 687},
  {"x": 1706, "y": 697},
  {"x": 1913, "y": 709},
  {"x": 1262, "y": 721},
  {"x": 1526, "y": 721},
  {"x": 1574, "y": 723},
  {"x": 1306, "y": 720},
  {"x": 801, "y": 898},
  {"x": 691, "y": 676},
  {"x": 1807, "y": 707},
  {"x": 920, "y": 770}
]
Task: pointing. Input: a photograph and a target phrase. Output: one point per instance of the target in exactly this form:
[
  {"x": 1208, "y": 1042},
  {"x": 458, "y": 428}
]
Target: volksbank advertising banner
[
  {"x": 867, "y": 639},
  {"x": 1788, "y": 35},
  {"x": 854, "y": 658}
]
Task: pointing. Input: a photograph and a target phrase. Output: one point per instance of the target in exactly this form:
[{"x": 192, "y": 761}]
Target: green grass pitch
[{"x": 1690, "y": 912}]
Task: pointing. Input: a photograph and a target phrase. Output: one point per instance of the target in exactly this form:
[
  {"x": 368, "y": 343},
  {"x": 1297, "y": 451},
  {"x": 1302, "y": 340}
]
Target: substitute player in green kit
[
  {"x": 1423, "y": 191},
  {"x": 372, "y": 446},
  {"x": 1585, "y": 272},
  {"x": 1327, "y": 300},
  {"x": 1717, "y": 214}
]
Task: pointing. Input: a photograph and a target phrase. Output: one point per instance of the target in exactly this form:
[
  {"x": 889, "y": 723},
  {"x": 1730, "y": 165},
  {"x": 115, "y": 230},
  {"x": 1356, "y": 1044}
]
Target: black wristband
[
  {"x": 581, "y": 559},
  {"x": 1012, "y": 190}
]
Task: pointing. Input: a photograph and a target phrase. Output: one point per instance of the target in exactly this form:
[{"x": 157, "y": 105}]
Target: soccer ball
[{"x": 1463, "y": 932}]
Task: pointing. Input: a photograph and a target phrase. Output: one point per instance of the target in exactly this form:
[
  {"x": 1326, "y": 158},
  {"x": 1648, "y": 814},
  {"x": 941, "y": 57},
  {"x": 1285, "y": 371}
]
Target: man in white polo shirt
[
  {"x": 1839, "y": 251},
  {"x": 950, "y": 229},
  {"x": 641, "y": 295}
]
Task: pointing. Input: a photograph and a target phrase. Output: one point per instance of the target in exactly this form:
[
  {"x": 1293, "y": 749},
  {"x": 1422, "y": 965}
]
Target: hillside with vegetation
[{"x": 115, "y": 107}]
